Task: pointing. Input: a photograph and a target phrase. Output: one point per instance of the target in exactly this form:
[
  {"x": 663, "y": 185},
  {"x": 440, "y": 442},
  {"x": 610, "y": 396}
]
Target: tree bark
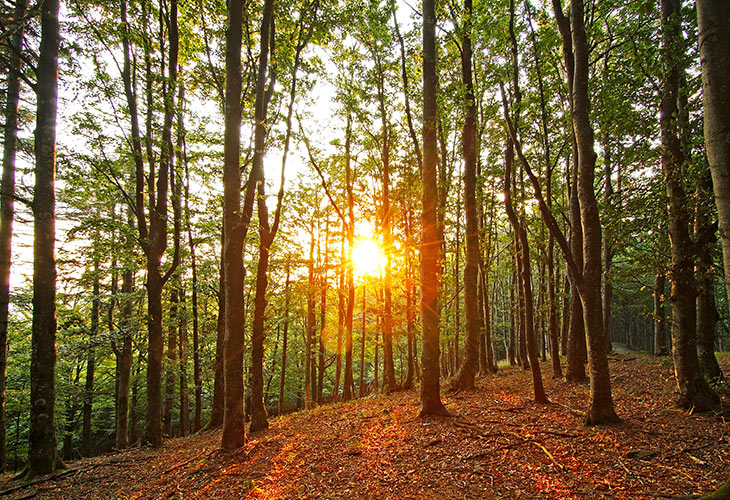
[
  {"x": 600, "y": 410},
  {"x": 284, "y": 346},
  {"x": 660, "y": 333},
  {"x": 713, "y": 18},
  {"x": 430, "y": 243},
  {"x": 465, "y": 378},
  {"x": 90, "y": 366},
  {"x": 7, "y": 210},
  {"x": 43, "y": 457},
  {"x": 347, "y": 392},
  {"x": 694, "y": 391}
]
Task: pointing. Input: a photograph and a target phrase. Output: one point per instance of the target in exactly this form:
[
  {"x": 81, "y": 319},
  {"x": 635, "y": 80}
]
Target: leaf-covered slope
[{"x": 500, "y": 445}]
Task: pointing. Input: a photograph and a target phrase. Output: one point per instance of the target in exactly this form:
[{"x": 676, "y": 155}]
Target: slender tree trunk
[
  {"x": 43, "y": 457},
  {"x": 311, "y": 319},
  {"x": 282, "y": 378},
  {"x": 430, "y": 242},
  {"x": 183, "y": 368},
  {"x": 362, "y": 342},
  {"x": 525, "y": 276},
  {"x": 124, "y": 359},
  {"x": 172, "y": 364},
  {"x": 565, "y": 318},
  {"x": 660, "y": 330},
  {"x": 607, "y": 246},
  {"x": 90, "y": 366},
  {"x": 7, "y": 212},
  {"x": 340, "y": 316},
  {"x": 322, "y": 314},
  {"x": 707, "y": 315},
  {"x": 216, "y": 414},
  {"x": 511, "y": 350},
  {"x": 713, "y": 17},
  {"x": 465, "y": 378},
  {"x": 600, "y": 410},
  {"x": 347, "y": 392}
]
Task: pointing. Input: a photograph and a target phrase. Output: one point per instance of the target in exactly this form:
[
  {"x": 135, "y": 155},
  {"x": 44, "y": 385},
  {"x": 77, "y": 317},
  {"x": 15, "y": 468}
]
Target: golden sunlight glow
[{"x": 367, "y": 258}]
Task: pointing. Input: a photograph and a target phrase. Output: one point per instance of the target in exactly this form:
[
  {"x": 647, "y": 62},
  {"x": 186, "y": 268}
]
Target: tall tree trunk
[
  {"x": 410, "y": 298},
  {"x": 347, "y": 392},
  {"x": 713, "y": 18},
  {"x": 607, "y": 245},
  {"x": 154, "y": 240},
  {"x": 183, "y": 368},
  {"x": 430, "y": 242},
  {"x": 388, "y": 367},
  {"x": 660, "y": 330},
  {"x": 362, "y": 342},
  {"x": 309, "y": 333},
  {"x": 340, "y": 315},
  {"x": 525, "y": 275},
  {"x": 322, "y": 313},
  {"x": 124, "y": 358},
  {"x": 90, "y": 366},
  {"x": 43, "y": 457},
  {"x": 511, "y": 349},
  {"x": 7, "y": 211},
  {"x": 600, "y": 410},
  {"x": 707, "y": 315},
  {"x": 216, "y": 413},
  {"x": 694, "y": 391},
  {"x": 465, "y": 378},
  {"x": 197, "y": 378},
  {"x": 284, "y": 346},
  {"x": 172, "y": 362}
]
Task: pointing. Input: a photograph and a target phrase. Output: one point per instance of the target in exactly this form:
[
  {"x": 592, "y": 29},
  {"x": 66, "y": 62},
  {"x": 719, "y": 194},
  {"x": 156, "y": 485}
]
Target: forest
[{"x": 313, "y": 248}]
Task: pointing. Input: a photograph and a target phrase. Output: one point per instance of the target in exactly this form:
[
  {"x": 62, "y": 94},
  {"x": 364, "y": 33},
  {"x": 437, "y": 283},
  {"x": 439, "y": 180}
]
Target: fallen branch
[{"x": 38, "y": 481}]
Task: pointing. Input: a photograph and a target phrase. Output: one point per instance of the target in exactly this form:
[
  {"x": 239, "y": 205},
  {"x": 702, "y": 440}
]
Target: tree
[
  {"x": 713, "y": 18},
  {"x": 237, "y": 217},
  {"x": 7, "y": 211},
  {"x": 465, "y": 378},
  {"x": 430, "y": 242},
  {"x": 43, "y": 457},
  {"x": 694, "y": 391}
]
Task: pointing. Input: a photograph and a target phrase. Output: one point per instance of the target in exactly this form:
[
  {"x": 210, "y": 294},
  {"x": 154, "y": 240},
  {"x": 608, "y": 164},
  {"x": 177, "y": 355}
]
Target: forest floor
[{"x": 498, "y": 445}]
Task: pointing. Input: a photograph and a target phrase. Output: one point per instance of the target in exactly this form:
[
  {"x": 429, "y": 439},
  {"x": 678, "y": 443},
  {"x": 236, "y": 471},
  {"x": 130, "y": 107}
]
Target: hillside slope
[{"x": 498, "y": 445}]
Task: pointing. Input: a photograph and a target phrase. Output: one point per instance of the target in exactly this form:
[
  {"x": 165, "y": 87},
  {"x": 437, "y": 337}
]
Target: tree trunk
[
  {"x": 600, "y": 410},
  {"x": 172, "y": 364},
  {"x": 525, "y": 275},
  {"x": 362, "y": 343},
  {"x": 7, "y": 212},
  {"x": 707, "y": 315},
  {"x": 694, "y": 391},
  {"x": 430, "y": 242},
  {"x": 43, "y": 458},
  {"x": 322, "y": 314},
  {"x": 660, "y": 334},
  {"x": 282, "y": 378},
  {"x": 347, "y": 392},
  {"x": 713, "y": 18},
  {"x": 234, "y": 432},
  {"x": 340, "y": 316},
  {"x": 90, "y": 366},
  {"x": 309, "y": 333},
  {"x": 465, "y": 378},
  {"x": 183, "y": 366},
  {"x": 124, "y": 358}
]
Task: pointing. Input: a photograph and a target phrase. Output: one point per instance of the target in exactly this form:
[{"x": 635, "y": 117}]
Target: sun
[{"x": 367, "y": 258}]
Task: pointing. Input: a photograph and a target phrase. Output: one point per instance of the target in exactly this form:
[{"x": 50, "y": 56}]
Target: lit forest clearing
[{"x": 498, "y": 444}]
